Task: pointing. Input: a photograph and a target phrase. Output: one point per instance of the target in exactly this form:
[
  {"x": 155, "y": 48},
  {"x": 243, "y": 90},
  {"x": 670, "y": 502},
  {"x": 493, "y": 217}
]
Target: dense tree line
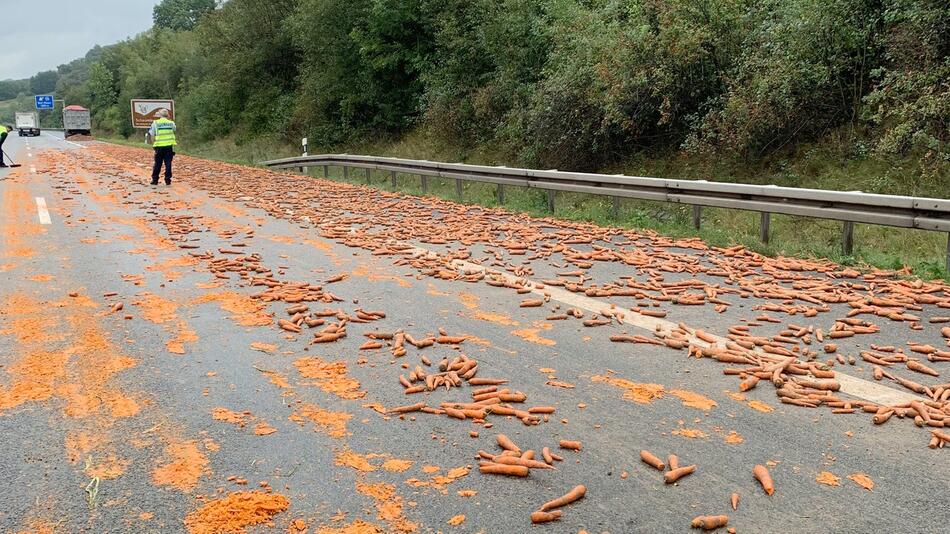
[{"x": 570, "y": 84}]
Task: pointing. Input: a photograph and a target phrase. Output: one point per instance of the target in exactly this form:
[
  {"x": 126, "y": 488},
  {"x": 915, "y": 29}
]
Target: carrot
[
  {"x": 414, "y": 389},
  {"x": 507, "y": 444},
  {"x": 673, "y": 461},
  {"x": 531, "y": 303},
  {"x": 546, "y": 454},
  {"x": 748, "y": 383},
  {"x": 676, "y": 474},
  {"x": 710, "y": 522},
  {"x": 915, "y": 365},
  {"x": 940, "y": 435},
  {"x": 517, "y": 460},
  {"x": 575, "y": 494},
  {"x": 452, "y": 412},
  {"x": 487, "y": 381},
  {"x": 545, "y": 517},
  {"x": 503, "y": 469},
  {"x": 839, "y": 334},
  {"x": 651, "y": 460},
  {"x": 735, "y": 501},
  {"x": 708, "y": 338},
  {"x": 541, "y": 409},
  {"x": 570, "y": 445},
  {"x": 762, "y": 475},
  {"x": 482, "y": 391},
  {"x": 409, "y": 408},
  {"x": 285, "y": 325},
  {"x": 527, "y": 455}
]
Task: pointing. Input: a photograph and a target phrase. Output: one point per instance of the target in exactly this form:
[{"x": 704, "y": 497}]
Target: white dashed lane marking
[{"x": 42, "y": 211}]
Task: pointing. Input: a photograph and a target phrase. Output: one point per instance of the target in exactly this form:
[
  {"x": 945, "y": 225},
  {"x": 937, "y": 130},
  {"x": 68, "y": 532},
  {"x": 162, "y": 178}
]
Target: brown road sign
[{"x": 143, "y": 111}]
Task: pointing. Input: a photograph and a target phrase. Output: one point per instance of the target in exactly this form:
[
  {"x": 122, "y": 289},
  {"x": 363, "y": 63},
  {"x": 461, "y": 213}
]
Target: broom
[{"x": 12, "y": 165}]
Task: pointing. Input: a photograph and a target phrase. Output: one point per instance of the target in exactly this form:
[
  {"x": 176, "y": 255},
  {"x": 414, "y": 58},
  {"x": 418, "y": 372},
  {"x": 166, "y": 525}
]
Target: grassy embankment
[{"x": 820, "y": 166}]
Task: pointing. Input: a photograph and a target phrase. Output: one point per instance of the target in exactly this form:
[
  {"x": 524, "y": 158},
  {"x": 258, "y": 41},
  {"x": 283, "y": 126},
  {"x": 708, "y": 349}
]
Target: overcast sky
[{"x": 39, "y": 35}]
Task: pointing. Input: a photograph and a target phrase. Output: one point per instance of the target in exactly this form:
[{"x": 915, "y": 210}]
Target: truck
[
  {"x": 76, "y": 121},
  {"x": 28, "y": 124}
]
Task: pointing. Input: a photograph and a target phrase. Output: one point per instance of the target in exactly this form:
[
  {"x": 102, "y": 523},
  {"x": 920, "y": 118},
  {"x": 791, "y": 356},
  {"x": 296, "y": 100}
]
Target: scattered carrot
[
  {"x": 761, "y": 473},
  {"x": 503, "y": 469},
  {"x": 487, "y": 381},
  {"x": 517, "y": 460},
  {"x": 710, "y": 522},
  {"x": 505, "y": 443},
  {"x": 409, "y": 408},
  {"x": 735, "y": 501},
  {"x": 676, "y": 474},
  {"x": 545, "y": 517},
  {"x": 651, "y": 460},
  {"x": 570, "y": 445},
  {"x": 673, "y": 461},
  {"x": 575, "y": 494}
]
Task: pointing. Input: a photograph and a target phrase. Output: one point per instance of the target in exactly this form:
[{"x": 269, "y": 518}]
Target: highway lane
[{"x": 152, "y": 417}]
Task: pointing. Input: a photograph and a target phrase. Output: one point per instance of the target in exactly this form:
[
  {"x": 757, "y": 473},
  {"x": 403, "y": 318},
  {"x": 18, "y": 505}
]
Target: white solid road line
[
  {"x": 851, "y": 385},
  {"x": 42, "y": 211}
]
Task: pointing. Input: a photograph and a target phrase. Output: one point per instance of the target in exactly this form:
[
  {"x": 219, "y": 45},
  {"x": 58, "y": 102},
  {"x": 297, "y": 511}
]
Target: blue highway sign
[{"x": 44, "y": 101}]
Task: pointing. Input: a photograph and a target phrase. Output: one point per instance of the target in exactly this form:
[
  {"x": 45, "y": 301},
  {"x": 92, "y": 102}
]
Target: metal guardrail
[{"x": 848, "y": 207}]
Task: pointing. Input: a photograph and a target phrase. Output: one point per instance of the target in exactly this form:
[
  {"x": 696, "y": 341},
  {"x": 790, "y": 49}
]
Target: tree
[
  {"x": 44, "y": 82},
  {"x": 12, "y": 88},
  {"x": 101, "y": 87},
  {"x": 180, "y": 15}
]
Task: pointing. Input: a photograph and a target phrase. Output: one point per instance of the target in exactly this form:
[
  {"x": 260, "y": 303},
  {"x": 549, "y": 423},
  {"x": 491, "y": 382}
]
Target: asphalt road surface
[{"x": 152, "y": 378}]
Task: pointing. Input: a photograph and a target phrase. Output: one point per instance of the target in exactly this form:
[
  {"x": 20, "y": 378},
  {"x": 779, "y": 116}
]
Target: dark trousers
[
  {"x": 163, "y": 154},
  {"x": 2, "y": 139}
]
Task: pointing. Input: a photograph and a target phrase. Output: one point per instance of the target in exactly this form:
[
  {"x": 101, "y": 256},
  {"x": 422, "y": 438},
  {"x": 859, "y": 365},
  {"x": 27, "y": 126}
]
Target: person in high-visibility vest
[
  {"x": 162, "y": 134},
  {"x": 4, "y": 130}
]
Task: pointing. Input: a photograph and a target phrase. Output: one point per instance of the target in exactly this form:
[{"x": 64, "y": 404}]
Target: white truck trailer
[
  {"x": 76, "y": 121},
  {"x": 28, "y": 123}
]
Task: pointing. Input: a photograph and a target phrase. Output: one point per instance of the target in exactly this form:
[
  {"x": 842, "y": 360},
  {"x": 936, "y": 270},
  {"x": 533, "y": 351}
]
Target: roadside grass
[{"x": 826, "y": 166}]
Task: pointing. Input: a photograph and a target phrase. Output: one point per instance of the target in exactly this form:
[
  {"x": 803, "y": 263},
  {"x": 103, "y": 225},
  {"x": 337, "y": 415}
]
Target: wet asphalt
[{"x": 95, "y": 238}]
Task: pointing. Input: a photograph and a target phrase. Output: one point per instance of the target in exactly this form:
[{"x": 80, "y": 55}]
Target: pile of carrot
[{"x": 512, "y": 461}]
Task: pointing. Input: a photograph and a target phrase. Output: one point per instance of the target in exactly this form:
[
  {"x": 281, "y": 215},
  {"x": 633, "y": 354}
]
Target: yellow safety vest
[
  {"x": 165, "y": 133},
  {"x": 3, "y": 130}
]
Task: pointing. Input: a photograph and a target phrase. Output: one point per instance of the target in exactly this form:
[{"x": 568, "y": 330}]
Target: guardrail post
[
  {"x": 326, "y": 171},
  {"x": 501, "y": 193},
  {"x": 346, "y": 173},
  {"x": 551, "y": 197},
  {"x": 764, "y": 222},
  {"x": 615, "y": 207},
  {"x": 425, "y": 183},
  {"x": 368, "y": 175},
  {"x": 847, "y": 238},
  {"x": 458, "y": 188},
  {"x": 392, "y": 174},
  {"x": 697, "y": 216},
  {"x": 948, "y": 252}
]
